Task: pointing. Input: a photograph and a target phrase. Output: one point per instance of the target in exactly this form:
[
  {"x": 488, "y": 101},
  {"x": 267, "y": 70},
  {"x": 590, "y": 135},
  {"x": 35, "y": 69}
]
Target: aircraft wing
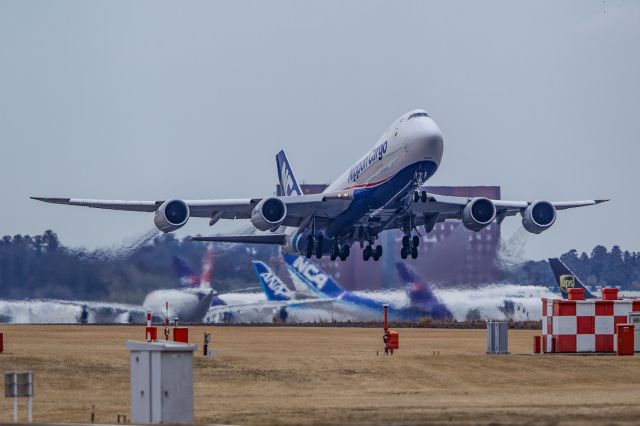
[
  {"x": 450, "y": 207},
  {"x": 299, "y": 207}
]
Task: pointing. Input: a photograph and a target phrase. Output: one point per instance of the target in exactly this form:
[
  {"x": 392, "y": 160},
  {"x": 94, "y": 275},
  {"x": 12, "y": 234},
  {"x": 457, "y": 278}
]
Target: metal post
[
  {"x": 386, "y": 325},
  {"x": 15, "y": 397},
  {"x": 30, "y": 406}
]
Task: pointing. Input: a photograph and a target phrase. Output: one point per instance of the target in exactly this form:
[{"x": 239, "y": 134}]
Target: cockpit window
[{"x": 418, "y": 114}]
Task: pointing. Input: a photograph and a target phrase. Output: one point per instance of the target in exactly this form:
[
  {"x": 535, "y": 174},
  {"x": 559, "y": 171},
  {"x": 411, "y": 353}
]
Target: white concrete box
[{"x": 161, "y": 382}]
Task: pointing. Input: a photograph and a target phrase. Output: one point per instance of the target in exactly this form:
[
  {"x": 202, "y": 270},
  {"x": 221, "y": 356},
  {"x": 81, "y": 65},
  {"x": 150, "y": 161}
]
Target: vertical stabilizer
[
  {"x": 185, "y": 273},
  {"x": 272, "y": 285},
  {"x": 566, "y": 279},
  {"x": 303, "y": 271},
  {"x": 286, "y": 179},
  {"x": 208, "y": 263},
  {"x": 420, "y": 295}
]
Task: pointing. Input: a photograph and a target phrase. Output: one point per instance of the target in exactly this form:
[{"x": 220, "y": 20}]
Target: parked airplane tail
[
  {"x": 304, "y": 272},
  {"x": 185, "y": 273},
  {"x": 420, "y": 295},
  {"x": 272, "y": 285},
  {"x": 208, "y": 263},
  {"x": 286, "y": 179},
  {"x": 566, "y": 279}
]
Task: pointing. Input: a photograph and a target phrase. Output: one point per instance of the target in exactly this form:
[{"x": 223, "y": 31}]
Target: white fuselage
[{"x": 405, "y": 142}]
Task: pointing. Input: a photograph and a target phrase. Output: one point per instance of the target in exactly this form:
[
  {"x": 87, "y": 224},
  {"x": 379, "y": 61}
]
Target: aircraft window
[{"x": 418, "y": 114}]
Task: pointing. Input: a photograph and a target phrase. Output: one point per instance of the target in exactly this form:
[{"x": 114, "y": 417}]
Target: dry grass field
[{"x": 331, "y": 375}]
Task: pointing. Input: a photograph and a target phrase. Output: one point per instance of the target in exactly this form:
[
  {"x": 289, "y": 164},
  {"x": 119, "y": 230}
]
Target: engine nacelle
[
  {"x": 171, "y": 215},
  {"x": 478, "y": 213},
  {"x": 538, "y": 216},
  {"x": 269, "y": 213}
]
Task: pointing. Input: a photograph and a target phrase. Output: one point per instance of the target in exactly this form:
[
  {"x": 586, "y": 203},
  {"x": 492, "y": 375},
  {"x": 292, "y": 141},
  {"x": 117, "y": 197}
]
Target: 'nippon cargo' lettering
[{"x": 376, "y": 154}]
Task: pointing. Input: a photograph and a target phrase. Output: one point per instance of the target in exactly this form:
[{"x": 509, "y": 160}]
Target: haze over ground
[{"x": 151, "y": 100}]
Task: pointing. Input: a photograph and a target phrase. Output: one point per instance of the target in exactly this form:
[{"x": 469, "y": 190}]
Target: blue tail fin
[
  {"x": 304, "y": 272},
  {"x": 566, "y": 279},
  {"x": 420, "y": 295},
  {"x": 272, "y": 285},
  {"x": 185, "y": 273},
  {"x": 286, "y": 179}
]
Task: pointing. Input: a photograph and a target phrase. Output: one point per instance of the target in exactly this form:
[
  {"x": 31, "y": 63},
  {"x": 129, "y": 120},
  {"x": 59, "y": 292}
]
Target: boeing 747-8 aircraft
[{"x": 382, "y": 191}]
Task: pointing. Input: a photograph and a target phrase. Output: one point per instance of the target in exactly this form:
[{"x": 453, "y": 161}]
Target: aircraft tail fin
[
  {"x": 286, "y": 179},
  {"x": 304, "y": 273},
  {"x": 272, "y": 285},
  {"x": 420, "y": 294},
  {"x": 208, "y": 263},
  {"x": 566, "y": 279},
  {"x": 185, "y": 273}
]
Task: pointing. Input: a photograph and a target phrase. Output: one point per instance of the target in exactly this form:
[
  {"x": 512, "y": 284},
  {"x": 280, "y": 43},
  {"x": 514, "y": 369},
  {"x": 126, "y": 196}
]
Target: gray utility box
[
  {"x": 497, "y": 337},
  {"x": 634, "y": 318},
  {"x": 161, "y": 382}
]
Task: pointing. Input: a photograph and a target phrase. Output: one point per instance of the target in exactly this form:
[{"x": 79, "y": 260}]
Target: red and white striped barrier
[{"x": 584, "y": 325}]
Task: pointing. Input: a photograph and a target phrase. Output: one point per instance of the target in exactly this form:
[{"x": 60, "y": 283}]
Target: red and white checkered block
[{"x": 583, "y": 325}]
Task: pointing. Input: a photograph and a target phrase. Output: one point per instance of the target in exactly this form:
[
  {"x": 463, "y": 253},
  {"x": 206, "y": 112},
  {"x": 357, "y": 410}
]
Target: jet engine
[
  {"x": 478, "y": 213},
  {"x": 538, "y": 216},
  {"x": 269, "y": 213},
  {"x": 171, "y": 215}
]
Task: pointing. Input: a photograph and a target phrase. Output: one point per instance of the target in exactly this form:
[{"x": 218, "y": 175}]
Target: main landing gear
[
  {"x": 371, "y": 252},
  {"x": 341, "y": 252},
  {"x": 410, "y": 246},
  {"x": 315, "y": 246}
]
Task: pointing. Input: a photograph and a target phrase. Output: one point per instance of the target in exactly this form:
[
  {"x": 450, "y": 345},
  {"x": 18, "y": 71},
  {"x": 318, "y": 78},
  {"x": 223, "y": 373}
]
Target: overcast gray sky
[{"x": 153, "y": 99}]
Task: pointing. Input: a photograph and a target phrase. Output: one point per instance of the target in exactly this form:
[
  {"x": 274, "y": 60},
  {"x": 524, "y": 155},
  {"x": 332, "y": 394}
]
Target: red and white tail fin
[{"x": 208, "y": 263}]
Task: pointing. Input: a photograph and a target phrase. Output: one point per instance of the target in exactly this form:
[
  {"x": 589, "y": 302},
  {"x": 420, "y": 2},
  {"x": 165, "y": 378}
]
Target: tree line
[
  {"x": 600, "y": 268},
  {"x": 37, "y": 267}
]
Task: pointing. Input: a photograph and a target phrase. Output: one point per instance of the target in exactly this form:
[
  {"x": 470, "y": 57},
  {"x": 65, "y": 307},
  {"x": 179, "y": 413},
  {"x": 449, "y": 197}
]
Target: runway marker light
[{"x": 151, "y": 332}]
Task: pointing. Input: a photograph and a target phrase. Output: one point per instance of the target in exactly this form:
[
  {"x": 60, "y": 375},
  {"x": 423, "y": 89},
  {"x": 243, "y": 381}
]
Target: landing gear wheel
[
  {"x": 344, "y": 252},
  {"x": 423, "y": 196},
  {"x": 335, "y": 252},
  {"x": 416, "y": 196},
  {"x": 415, "y": 241},
  {"x": 403, "y": 252},
  {"x": 367, "y": 252},
  {"x": 318, "y": 248},
  {"x": 414, "y": 252},
  {"x": 406, "y": 241},
  {"x": 377, "y": 252},
  {"x": 309, "y": 251}
]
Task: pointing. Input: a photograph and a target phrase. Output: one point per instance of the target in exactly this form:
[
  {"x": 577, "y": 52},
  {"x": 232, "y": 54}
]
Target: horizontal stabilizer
[{"x": 280, "y": 239}]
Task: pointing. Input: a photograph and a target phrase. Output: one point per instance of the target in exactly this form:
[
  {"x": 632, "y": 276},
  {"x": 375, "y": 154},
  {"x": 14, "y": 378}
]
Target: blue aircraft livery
[
  {"x": 286, "y": 178},
  {"x": 420, "y": 295},
  {"x": 566, "y": 279},
  {"x": 272, "y": 285},
  {"x": 422, "y": 303}
]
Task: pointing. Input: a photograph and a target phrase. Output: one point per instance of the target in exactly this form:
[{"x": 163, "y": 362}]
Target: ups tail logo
[{"x": 567, "y": 281}]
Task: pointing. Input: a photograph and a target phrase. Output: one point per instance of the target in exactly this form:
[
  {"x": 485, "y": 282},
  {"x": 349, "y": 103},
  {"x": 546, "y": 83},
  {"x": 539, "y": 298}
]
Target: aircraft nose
[{"x": 429, "y": 143}]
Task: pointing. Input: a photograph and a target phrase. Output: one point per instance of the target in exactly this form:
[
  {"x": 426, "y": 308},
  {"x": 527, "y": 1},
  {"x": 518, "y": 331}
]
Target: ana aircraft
[
  {"x": 381, "y": 191},
  {"x": 421, "y": 302}
]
